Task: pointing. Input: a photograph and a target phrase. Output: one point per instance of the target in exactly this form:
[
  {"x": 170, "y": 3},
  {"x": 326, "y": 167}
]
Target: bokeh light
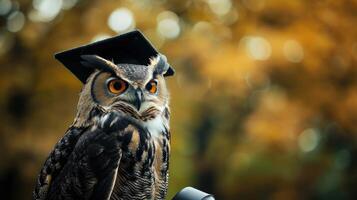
[
  {"x": 168, "y": 25},
  {"x": 220, "y": 7},
  {"x": 5, "y": 7},
  {"x": 121, "y": 20},
  {"x": 308, "y": 140},
  {"x": 15, "y": 21},
  {"x": 68, "y": 4},
  {"x": 257, "y": 48},
  {"x": 45, "y": 10},
  {"x": 202, "y": 27}
]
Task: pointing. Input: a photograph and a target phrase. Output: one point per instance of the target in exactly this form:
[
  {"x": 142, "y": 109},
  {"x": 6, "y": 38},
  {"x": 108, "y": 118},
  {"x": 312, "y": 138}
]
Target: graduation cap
[{"x": 129, "y": 48}]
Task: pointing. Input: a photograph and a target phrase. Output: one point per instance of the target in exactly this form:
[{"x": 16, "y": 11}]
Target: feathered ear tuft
[
  {"x": 97, "y": 62},
  {"x": 161, "y": 65},
  {"x": 154, "y": 61}
]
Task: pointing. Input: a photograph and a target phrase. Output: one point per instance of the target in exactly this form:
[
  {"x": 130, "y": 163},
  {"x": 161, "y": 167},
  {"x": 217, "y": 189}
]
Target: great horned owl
[{"x": 119, "y": 143}]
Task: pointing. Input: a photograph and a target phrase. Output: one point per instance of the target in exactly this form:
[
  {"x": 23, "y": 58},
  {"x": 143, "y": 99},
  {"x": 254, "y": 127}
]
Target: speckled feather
[
  {"x": 108, "y": 161},
  {"x": 134, "y": 72}
]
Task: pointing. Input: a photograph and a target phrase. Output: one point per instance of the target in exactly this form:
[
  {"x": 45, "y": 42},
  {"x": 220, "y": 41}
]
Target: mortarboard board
[{"x": 129, "y": 48}]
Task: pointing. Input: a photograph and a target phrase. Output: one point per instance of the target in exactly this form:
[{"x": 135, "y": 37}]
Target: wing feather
[
  {"x": 91, "y": 167},
  {"x": 55, "y": 161}
]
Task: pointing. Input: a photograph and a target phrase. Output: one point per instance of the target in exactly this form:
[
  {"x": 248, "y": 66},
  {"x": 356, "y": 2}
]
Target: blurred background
[{"x": 264, "y": 100}]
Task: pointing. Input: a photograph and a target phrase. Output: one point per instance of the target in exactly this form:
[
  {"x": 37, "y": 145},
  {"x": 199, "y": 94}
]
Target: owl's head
[
  {"x": 137, "y": 90},
  {"x": 123, "y": 73}
]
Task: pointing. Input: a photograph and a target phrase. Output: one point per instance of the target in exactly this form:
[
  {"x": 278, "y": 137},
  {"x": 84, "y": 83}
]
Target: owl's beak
[{"x": 138, "y": 99}]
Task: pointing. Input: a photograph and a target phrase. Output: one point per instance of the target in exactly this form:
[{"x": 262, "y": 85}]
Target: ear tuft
[
  {"x": 161, "y": 65},
  {"x": 94, "y": 61},
  {"x": 154, "y": 61}
]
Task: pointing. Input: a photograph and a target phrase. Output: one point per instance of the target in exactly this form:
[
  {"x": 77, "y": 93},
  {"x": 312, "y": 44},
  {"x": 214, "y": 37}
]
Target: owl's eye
[
  {"x": 152, "y": 86},
  {"x": 117, "y": 86}
]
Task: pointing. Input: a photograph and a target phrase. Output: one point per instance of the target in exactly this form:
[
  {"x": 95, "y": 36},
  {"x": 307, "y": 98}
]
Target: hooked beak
[{"x": 138, "y": 99}]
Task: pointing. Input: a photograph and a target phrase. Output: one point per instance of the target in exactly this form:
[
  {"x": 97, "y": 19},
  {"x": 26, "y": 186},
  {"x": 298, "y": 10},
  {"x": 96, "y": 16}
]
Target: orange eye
[
  {"x": 117, "y": 86},
  {"x": 152, "y": 86}
]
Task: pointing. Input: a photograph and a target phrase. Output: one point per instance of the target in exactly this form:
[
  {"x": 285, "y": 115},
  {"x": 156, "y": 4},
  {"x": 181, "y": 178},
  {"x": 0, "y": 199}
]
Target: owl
[{"x": 118, "y": 146}]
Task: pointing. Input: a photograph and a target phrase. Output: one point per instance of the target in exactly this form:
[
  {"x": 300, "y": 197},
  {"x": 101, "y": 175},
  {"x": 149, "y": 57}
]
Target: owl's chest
[{"x": 144, "y": 166}]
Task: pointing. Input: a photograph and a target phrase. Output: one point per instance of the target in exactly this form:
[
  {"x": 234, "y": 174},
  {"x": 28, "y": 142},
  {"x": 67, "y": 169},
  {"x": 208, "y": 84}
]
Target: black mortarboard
[{"x": 129, "y": 48}]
